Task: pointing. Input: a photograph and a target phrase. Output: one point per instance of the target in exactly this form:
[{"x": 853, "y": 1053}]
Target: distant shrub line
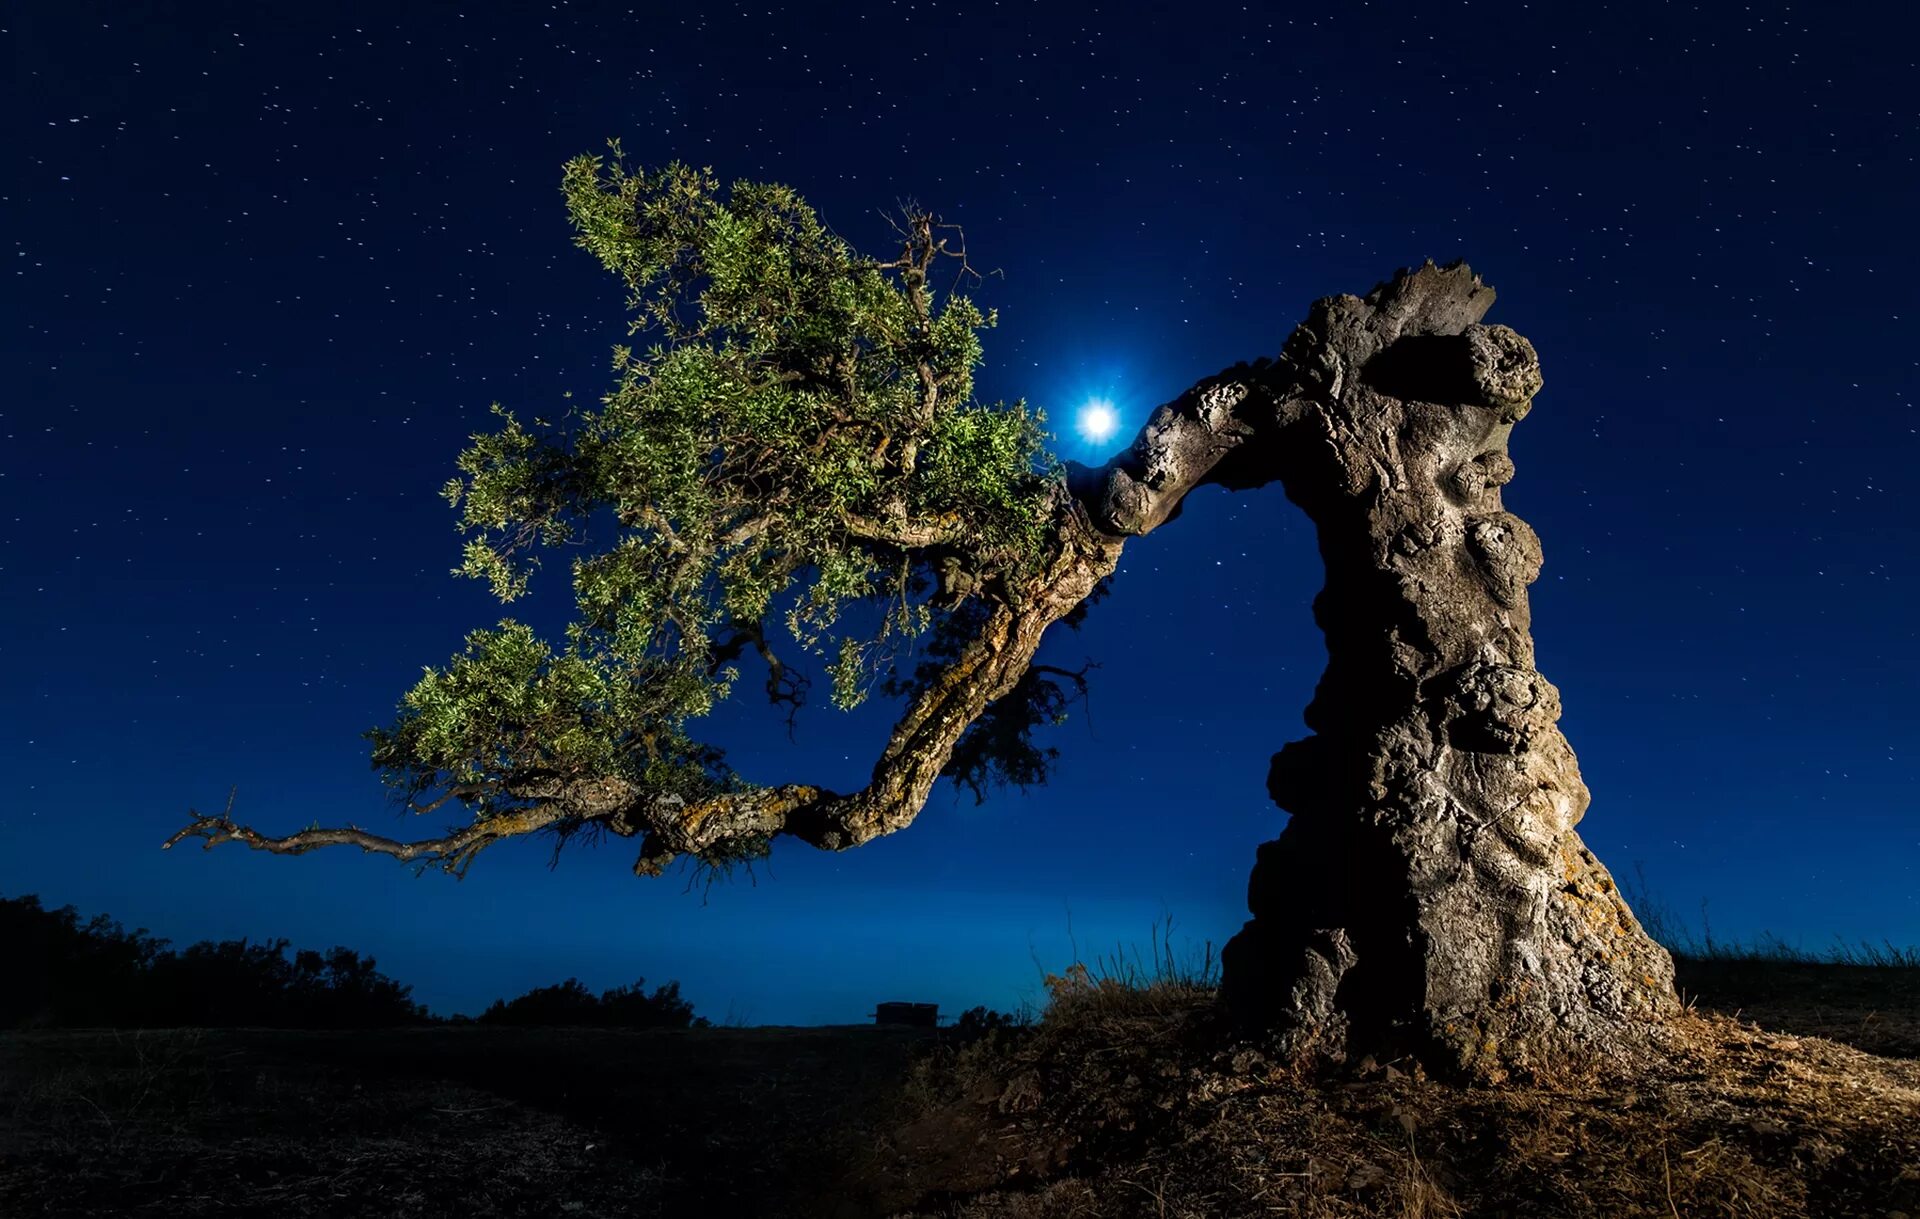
[
  {"x": 60, "y": 971},
  {"x": 571, "y": 1003}
]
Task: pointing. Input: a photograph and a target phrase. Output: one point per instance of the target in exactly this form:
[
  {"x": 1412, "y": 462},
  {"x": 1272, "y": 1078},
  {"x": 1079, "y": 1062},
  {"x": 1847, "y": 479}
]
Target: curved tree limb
[
  {"x": 453, "y": 852},
  {"x": 1202, "y": 436},
  {"x": 1183, "y": 446}
]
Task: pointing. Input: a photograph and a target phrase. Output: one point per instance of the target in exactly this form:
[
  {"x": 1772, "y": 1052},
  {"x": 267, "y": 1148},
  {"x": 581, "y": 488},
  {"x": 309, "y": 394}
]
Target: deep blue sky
[{"x": 271, "y": 264}]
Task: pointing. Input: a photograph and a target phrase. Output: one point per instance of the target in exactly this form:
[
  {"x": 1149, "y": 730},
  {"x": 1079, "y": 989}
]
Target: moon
[{"x": 1098, "y": 420}]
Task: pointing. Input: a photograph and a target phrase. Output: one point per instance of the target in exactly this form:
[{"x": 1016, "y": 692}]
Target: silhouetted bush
[
  {"x": 234, "y": 982},
  {"x": 571, "y": 1003},
  {"x": 978, "y": 1022},
  {"x": 57, "y": 971},
  {"x": 631, "y": 1007}
]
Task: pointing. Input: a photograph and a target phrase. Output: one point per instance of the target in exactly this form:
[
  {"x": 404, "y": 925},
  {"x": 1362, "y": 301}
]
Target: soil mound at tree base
[{"x": 1125, "y": 1108}]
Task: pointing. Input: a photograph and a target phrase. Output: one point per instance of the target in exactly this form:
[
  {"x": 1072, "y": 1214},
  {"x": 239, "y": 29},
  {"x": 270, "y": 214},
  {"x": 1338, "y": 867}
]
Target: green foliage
[
  {"x": 978, "y": 463},
  {"x": 510, "y": 710},
  {"x": 797, "y": 437}
]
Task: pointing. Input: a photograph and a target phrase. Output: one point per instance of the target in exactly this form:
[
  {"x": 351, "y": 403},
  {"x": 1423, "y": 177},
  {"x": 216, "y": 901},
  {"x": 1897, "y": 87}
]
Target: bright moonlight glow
[{"x": 1098, "y": 420}]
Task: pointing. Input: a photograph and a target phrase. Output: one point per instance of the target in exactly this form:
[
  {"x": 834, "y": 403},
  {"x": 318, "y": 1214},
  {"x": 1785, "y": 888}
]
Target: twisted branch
[
  {"x": 1185, "y": 444},
  {"x": 453, "y": 853}
]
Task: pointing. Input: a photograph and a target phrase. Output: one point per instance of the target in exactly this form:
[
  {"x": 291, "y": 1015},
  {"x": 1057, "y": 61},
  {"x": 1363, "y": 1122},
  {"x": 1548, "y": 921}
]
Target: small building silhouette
[{"x": 918, "y": 1015}]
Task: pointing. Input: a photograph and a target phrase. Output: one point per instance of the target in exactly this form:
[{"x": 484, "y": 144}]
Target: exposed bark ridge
[{"x": 1430, "y": 890}]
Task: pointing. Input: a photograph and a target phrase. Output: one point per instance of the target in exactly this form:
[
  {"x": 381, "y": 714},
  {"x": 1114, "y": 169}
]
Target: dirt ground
[
  {"x": 1796, "y": 1092},
  {"x": 453, "y": 1121}
]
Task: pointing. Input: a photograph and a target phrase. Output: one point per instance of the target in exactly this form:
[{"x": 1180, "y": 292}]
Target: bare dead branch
[
  {"x": 785, "y": 686},
  {"x": 453, "y": 852},
  {"x": 553, "y": 804}
]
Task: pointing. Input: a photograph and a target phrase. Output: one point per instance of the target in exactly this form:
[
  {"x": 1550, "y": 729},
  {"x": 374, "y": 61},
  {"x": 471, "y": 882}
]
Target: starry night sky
[{"x": 271, "y": 264}]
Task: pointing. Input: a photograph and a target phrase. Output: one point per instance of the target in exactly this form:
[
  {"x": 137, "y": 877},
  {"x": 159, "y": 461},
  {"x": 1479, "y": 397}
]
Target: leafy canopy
[{"x": 797, "y": 437}]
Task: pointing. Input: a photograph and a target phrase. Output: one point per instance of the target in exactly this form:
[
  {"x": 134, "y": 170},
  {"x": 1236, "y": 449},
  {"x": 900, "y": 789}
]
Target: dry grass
[{"x": 1119, "y": 1105}]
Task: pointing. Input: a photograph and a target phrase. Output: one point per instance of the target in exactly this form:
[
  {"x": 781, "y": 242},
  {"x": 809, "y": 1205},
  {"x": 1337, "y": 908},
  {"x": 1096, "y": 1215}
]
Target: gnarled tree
[{"x": 798, "y": 456}]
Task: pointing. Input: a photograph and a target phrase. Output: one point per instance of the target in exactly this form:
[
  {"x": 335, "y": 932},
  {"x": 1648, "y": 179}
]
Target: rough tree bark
[{"x": 1429, "y": 895}]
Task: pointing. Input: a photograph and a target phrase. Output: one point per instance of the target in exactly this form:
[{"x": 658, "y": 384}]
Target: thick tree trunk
[{"x": 1429, "y": 895}]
